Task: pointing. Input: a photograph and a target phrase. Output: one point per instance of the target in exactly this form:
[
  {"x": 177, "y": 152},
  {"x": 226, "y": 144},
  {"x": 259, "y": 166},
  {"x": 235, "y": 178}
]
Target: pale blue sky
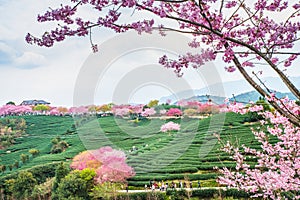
[{"x": 31, "y": 72}]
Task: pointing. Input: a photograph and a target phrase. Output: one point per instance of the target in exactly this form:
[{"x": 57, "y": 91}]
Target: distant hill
[
  {"x": 204, "y": 99},
  {"x": 242, "y": 98},
  {"x": 254, "y": 96},
  {"x": 227, "y": 89}
]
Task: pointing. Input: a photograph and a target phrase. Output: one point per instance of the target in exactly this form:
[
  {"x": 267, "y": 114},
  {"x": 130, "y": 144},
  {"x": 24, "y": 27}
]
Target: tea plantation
[{"x": 190, "y": 154}]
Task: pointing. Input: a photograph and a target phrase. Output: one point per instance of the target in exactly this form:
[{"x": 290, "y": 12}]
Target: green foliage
[
  {"x": 2, "y": 168},
  {"x": 105, "y": 191},
  {"x": 23, "y": 185},
  {"x": 34, "y": 152},
  {"x": 41, "y": 173},
  {"x": 176, "y": 194},
  {"x": 10, "y": 103},
  {"x": 58, "y": 145},
  {"x": 8, "y": 187},
  {"x": 75, "y": 184},
  {"x": 24, "y": 158},
  {"x": 140, "y": 196},
  {"x": 10, "y": 129},
  {"x": 208, "y": 194},
  {"x": 41, "y": 107},
  {"x": 17, "y": 164},
  {"x": 61, "y": 171},
  {"x": 42, "y": 191},
  {"x": 153, "y": 103}
]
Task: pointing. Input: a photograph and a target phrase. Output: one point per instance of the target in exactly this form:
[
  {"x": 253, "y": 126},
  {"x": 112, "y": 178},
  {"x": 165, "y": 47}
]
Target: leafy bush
[
  {"x": 34, "y": 152},
  {"x": 140, "y": 196},
  {"x": 58, "y": 145}
]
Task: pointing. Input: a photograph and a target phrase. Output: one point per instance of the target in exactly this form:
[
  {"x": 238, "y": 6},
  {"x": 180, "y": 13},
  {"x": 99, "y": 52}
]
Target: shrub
[
  {"x": 23, "y": 185},
  {"x": 34, "y": 152},
  {"x": 141, "y": 195},
  {"x": 24, "y": 158}
]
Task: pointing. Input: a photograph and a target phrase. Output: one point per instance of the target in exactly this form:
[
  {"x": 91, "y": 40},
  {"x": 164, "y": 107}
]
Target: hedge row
[
  {"x": 209, "y": 193},
  {"x": 141, "y": 196},
  {"x": 140, "y": 181},
  {"x": 180, "y": 194}
]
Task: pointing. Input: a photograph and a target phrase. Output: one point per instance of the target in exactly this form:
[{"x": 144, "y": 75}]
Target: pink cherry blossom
[
  {"x": 170, "y": 126},
  {"x": 174, "y": 112},
  {"x": 148, "y": 112}
]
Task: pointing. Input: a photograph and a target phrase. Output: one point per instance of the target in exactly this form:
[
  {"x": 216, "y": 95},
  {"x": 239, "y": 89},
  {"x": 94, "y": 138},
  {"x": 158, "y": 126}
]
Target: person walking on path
[
  {"x": 199, "y": 184},
  {"x": 153, "y": 187},
  {"x": 180, "y": 184}
]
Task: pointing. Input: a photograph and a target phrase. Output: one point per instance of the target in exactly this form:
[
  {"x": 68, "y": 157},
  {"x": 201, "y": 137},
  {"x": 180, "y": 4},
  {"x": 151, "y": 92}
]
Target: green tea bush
[{"x": 141, "y": 196}]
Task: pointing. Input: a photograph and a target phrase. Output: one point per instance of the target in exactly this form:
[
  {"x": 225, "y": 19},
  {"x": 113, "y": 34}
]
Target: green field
[{"x": 190, "y": 154}]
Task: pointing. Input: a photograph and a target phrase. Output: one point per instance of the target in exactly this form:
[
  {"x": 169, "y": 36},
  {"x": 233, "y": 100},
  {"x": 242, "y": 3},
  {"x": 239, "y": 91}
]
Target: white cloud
[{"x": 30, "y": 60}]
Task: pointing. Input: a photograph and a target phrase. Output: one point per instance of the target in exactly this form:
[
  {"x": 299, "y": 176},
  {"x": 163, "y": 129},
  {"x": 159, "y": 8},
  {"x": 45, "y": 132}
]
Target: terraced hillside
[{"x": 189, "y": 154}]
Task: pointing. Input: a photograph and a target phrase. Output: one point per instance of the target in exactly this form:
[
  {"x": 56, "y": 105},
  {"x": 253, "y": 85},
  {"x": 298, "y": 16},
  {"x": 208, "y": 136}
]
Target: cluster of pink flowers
[
  {"x": 278, "y": 163},
  {"x": 148, "y": 112},
  {"x": 211, "y": 23},
  {"x": 174, "y": 112},
  {"x": 109, "y": 164},
  {"x": 117, "y": 110},
  {"x": 202, "y": 108},
  {"x": 14, "y": 110},
  {"x": 125, "y": 110},
  {"x": 170, "y": 126}
]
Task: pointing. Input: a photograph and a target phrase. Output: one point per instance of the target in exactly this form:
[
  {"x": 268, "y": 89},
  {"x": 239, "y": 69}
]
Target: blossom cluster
[
  {"x": 278, "y": 164},
  {"x": 225, "y": 27},
  {"x": 170, "y": 126},
  {"x": 109, "y": 164}
]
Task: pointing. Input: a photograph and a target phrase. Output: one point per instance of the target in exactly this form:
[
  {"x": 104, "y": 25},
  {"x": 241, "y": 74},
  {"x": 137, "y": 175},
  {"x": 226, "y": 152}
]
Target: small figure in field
[
  {"x": 199, "y": 184},
  {"x": 191, "y": 185},
  {"x": 153, "y": 187}
]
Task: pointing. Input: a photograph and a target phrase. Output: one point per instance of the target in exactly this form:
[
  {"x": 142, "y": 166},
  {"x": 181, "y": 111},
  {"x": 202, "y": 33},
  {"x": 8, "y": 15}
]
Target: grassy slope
[{"x": 194, "y": 150}]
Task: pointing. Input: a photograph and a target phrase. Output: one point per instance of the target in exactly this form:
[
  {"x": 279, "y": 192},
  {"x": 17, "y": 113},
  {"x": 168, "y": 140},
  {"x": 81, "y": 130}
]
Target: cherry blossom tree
[
  {"x": 110, "y": 164},
  {"x": 86, "y": 159},
  {"x": 170, "y": 126},
  {"x": 10, "y": 109},
  {"x": 174, "y": 112},
  {"x": 277, "y": 171},
  {"x": 148, "y": 112},
  {"x": 245, "y": 33}
]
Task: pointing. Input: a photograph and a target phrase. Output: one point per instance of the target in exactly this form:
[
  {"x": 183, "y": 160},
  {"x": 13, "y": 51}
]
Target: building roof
[{"x": 34, "y": 102}]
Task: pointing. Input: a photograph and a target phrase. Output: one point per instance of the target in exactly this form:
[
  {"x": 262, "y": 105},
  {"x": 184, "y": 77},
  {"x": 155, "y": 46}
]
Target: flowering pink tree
[
  {"x": 78, "y": 110},
  {"x": 170, "y": 126},
  {"x": 136, "y": 109},
  {"x": 208, "y": 109},
  {"x": 86, "y": 159},
  {"x": 121, "y": 110},
  {"x": 10, "y": 109},
  {"x": 110, "y": 164},
  {"x": 174, "y": 112},
  {"x": 278, "y": 164},
  {"x": 148, "y": 112},
  {"x": 244, "y": 33}
]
